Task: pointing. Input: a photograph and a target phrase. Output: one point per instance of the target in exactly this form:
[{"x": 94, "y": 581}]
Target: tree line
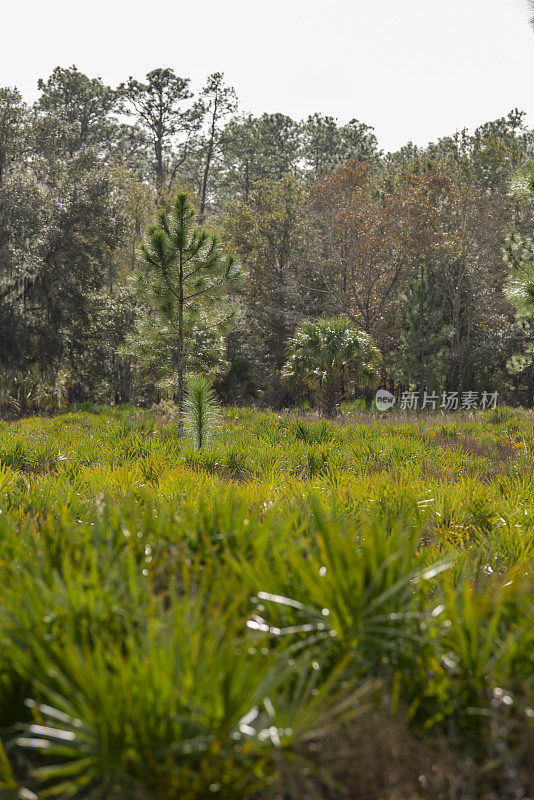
[{"x": 412, "y": 249}]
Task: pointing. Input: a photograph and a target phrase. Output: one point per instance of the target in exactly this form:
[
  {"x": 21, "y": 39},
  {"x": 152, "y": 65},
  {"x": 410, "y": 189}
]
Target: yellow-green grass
[{"x": 182, "y": 621}]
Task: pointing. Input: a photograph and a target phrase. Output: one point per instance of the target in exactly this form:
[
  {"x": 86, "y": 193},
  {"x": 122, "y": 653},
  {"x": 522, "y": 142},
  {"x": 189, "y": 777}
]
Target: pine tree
[
  {"x": 425, "y": 335},
  {"x": 188, "y": 273},
  {"x": 161, "y": 106},
  {"x": 518, "y": 252},
  {"x": 218, "y": 100},
  {"x": 200, "y": 411}
]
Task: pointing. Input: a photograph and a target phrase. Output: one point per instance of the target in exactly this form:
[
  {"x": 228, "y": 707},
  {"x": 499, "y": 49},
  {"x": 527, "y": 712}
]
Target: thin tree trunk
[
  {"x": 247, "y": 182},
  {"x": 209, "y": 156},
  {"x": 205, "y": 180},
  {"x": 181, "y": 343},
  {"x": 158, "y": 149}
]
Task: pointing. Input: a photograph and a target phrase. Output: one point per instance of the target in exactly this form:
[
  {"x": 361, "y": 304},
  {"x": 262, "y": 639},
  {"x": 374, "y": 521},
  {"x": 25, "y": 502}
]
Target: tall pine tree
[
  {"x": 425, "y": 335},
  {"x": 187, "y": 275}
]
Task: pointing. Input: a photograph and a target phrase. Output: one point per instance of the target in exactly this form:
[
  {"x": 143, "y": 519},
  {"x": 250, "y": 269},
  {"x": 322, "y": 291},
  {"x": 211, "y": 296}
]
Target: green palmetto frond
[
  {"x": 9, "y": 787},
  {"x": 360, "y": 593},
  {"x": 189, "y": 710}
]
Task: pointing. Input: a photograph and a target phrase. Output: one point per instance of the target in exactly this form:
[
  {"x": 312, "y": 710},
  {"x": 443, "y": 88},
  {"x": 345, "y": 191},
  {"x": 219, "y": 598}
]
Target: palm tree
[{"x": 327, "y": 354}]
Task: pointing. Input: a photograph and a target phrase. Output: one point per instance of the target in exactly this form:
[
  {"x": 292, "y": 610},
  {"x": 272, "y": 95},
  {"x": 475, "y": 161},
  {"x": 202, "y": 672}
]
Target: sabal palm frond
[
  {"x": 360, "y": 591},
  {"x": 324, "y": 348},
  {"x": 190, "y": 709},
  {"x": 326, "y": 353}
]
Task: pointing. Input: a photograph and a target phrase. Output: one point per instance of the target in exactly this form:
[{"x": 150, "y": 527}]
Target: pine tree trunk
[
  {"x": 180, "y": 381},
  {"x": 205, "y": 180},
  {"x": 181, "y": 344},
  {"x": 247, "y": 182},
  {"x": 209, "y": 156},
  {"x": 158, "y": 151}
]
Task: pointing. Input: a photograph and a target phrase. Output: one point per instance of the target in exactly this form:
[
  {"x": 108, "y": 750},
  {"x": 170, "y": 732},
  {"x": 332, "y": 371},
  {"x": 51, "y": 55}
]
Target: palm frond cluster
[{"x": 241, "y": 615}]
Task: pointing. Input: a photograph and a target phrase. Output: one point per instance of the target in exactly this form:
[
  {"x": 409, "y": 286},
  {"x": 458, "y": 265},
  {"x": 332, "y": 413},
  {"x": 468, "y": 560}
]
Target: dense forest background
[{"x": 414, "y": 247}]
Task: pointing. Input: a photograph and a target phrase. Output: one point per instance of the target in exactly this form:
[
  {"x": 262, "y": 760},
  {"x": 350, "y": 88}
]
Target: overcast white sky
[{"x": 414, "y": 69}]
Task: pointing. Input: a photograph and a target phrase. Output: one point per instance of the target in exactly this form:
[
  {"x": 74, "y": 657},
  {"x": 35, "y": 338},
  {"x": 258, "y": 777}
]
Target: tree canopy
[{"x": 408, "y": 247}]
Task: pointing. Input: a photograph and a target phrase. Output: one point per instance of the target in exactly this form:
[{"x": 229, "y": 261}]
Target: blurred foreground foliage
[{"x": 302, "y": 608}]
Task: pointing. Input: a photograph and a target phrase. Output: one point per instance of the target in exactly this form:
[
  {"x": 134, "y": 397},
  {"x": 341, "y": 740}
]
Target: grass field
[{"x": 303, "y": 609}]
